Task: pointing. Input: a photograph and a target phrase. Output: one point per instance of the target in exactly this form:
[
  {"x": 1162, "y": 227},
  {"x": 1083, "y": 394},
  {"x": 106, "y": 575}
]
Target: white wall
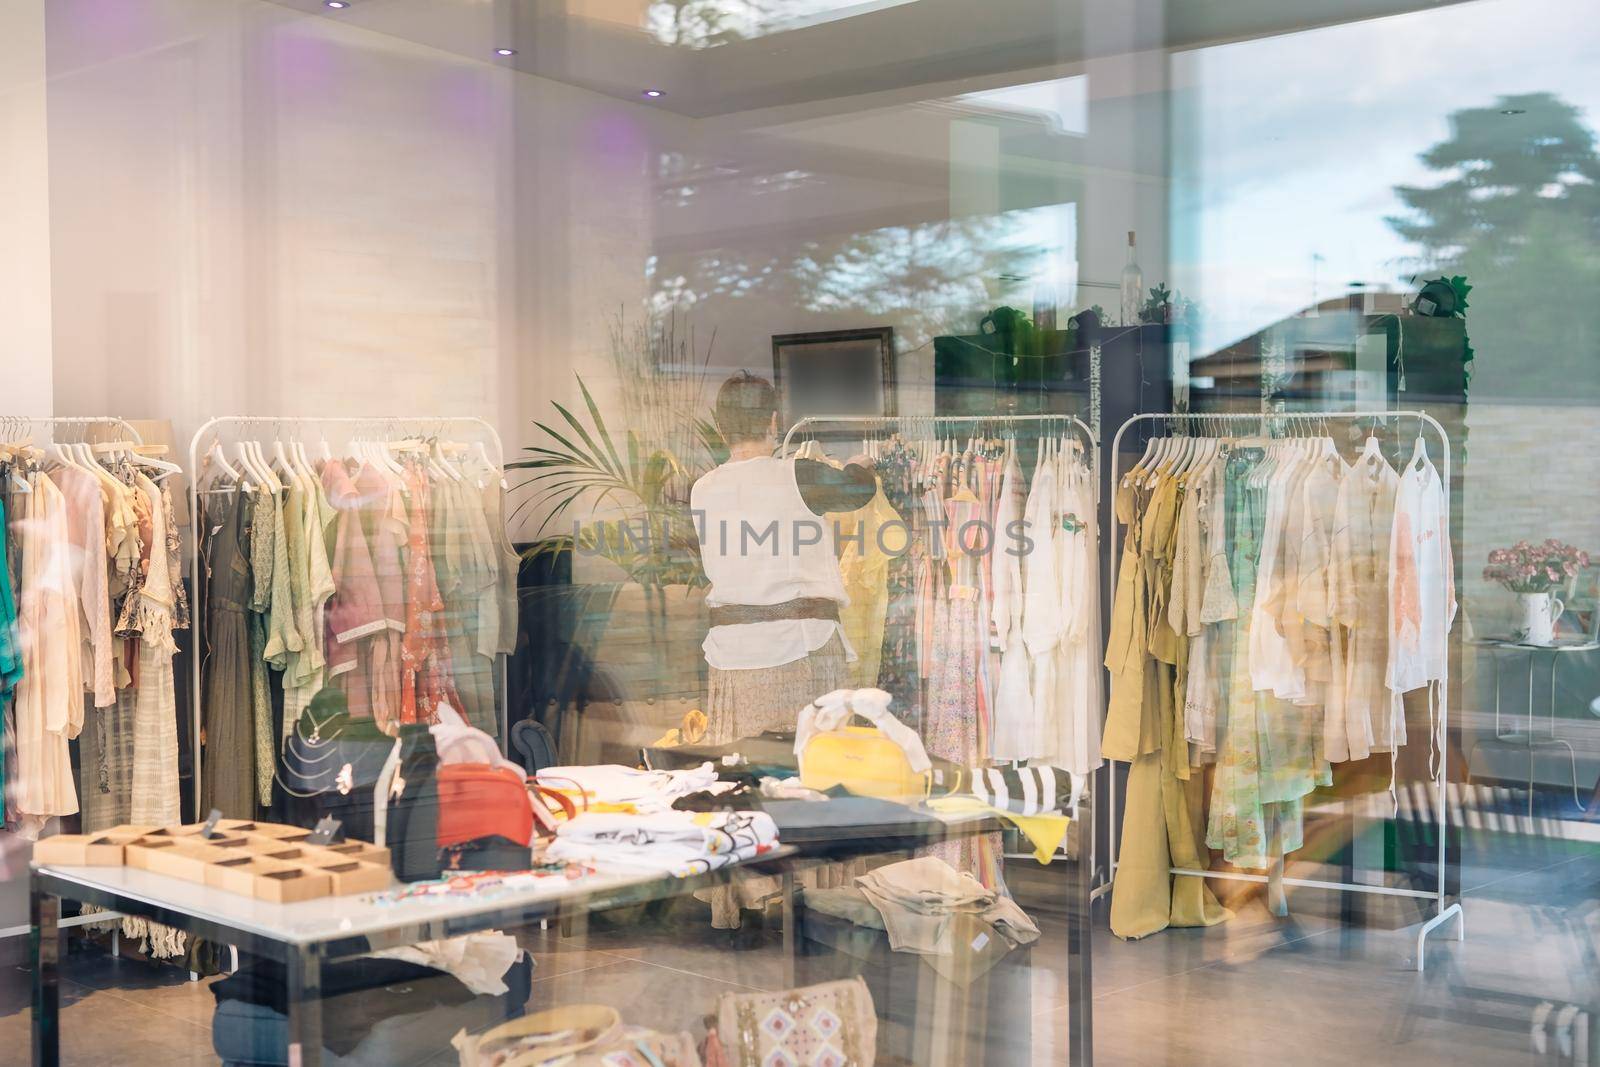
[
  {"x": 24, "y": 211},
  {"x": 255, "y": 211}
]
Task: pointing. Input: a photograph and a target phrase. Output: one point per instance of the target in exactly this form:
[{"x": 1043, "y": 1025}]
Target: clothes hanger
[
  {"x": 298, "y": 456},
  {"x": 62, "y": 453},
  {"x": 1139, "y": 467},
  {"x": 13, "y": 447},
  {"x": 215, "y": 455},
  {"x": 241, "y": 453},
  {"x": 280, "y": 462},
  {"x": 126, "y": 450},
  {"x": 264, "y": 467},
  {"x": 1419, "y": 454}
]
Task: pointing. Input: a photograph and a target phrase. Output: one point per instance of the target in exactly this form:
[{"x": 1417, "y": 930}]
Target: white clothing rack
[
  {"x": 278, "y": 425},
  {"x": 11, "y": 428},
  {"x": 933, "y": 422},
  {"x": 893, "y": 422},
  {"x": 1276, "y": 879},
  {"x": 10, "y": 425}
]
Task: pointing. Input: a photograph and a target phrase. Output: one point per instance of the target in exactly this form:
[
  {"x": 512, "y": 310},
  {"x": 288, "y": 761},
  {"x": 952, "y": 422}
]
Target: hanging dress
[
  {"x": 155, "y": 799},
  {"x": 49, "y": 704},
  {"x": 229, "y": 715},
  {"x": 11, "y": 659}
]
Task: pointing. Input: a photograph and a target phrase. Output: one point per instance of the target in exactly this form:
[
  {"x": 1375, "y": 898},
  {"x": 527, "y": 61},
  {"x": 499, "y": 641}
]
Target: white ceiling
[{"x": 785, "y": 52}]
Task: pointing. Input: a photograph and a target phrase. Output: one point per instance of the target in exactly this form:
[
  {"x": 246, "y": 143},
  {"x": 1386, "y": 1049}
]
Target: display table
[
  {"x": 306, "y": 935},
  {"x": 1530, "y": 737}
]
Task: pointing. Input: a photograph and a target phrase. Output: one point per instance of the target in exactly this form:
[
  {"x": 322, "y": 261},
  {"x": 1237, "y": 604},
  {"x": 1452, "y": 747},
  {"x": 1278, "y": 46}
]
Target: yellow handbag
[
  {"x": 885, "y": 760},
  {"x": 864, "y": 761}
]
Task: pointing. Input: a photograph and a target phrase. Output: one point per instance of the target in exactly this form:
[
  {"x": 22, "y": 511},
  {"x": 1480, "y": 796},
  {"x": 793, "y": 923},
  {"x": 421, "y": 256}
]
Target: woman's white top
[
  {"x": 1422, "y": 595},
  {"x": 760, "y": 545}
]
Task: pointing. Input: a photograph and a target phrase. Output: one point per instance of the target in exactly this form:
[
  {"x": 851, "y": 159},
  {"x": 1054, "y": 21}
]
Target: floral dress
[{"x": 1249, "y": 831}]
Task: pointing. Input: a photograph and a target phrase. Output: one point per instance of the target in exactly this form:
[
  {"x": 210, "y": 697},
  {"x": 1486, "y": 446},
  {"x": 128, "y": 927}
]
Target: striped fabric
[{"x": 1023, "y": 790}]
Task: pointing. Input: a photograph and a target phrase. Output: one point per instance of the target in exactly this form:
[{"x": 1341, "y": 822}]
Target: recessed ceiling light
[
  {"x": 336, "y": 4},
  {"x": 653, "y": 93},
  {"x": 505, "y": 51},
  {"x": 1512, "y": 111}
]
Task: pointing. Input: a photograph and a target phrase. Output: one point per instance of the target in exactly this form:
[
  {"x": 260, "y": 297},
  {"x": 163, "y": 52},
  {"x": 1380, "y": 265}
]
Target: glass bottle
[{"x": 1132, "y": 286}]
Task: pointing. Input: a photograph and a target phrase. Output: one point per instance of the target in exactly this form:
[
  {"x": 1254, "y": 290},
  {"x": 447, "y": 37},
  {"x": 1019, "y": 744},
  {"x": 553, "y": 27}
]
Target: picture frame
[{"x": 834, "y": 372}]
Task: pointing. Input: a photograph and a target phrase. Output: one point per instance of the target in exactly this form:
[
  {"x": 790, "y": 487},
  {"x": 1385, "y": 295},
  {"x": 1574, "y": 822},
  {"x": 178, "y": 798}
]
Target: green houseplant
[{"x": 616, "y": 490}]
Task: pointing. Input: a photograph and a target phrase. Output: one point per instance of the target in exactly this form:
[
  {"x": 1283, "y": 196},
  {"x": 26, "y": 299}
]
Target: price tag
[
  {"x": 210, "y": 828},
  {"x": 324, "y": 832}
]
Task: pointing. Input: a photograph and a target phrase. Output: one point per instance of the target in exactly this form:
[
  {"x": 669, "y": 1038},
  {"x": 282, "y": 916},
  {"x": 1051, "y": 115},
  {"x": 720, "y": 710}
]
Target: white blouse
[{"x": 761, "y": 545}]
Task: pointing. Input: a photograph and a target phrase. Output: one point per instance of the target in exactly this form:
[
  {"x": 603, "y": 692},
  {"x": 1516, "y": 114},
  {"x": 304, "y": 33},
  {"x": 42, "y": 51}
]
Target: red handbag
[{"x": 478, "y": 801}]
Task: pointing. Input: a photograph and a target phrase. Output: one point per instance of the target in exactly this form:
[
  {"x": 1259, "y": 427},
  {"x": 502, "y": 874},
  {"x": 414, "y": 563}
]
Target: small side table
[{"x": 1530, "y": 737}]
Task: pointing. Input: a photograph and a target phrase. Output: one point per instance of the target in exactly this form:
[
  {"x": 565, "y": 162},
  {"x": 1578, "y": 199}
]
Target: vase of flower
[
  {"x": 1535, "y": 573},
  {"x": 1539, "y": 614}
]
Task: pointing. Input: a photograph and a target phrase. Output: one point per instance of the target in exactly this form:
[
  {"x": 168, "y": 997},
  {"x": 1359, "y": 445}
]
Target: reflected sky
[
  {"x": 1288, "y": 149},
  {"x": 708, "y": 23}
]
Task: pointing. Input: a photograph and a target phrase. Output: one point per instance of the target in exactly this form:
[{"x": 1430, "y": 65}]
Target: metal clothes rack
[
  {"x": 1266, "y": 421},
  {"x": 886, "y": 422},
  {"x": 278, "y": 424},
  {"x": 889, "y": 422},
  {"x": 1080, "y": 1011},
  {"x": 11, "y": 426},
  {"x": 8, "y": 423}
]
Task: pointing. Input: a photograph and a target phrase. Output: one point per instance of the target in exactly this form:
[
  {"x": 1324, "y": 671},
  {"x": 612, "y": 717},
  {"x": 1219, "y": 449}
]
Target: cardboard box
[
  {"x": 278, "y": 831},
  {"x": 267, "y": 879},
  {"x": 356, "y": 850},
  {"x": 171, "y": 856},
  {"x": 177, "y": 832},
  {"x": 81, "y": 850},
  {"x": 129, "y": 830},
  {"x": 353, "y": 876},
  {"x": 287, "y": 852}
]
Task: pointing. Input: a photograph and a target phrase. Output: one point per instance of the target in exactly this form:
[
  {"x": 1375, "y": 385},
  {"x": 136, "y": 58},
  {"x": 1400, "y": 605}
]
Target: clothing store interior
[{"x": 728, "y": 533}]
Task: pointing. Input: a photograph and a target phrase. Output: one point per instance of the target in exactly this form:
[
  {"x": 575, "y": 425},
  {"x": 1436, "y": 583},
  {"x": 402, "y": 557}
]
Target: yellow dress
[
  {"x": 871, "y": 536},
  {"x": 1162, "y": 802}
]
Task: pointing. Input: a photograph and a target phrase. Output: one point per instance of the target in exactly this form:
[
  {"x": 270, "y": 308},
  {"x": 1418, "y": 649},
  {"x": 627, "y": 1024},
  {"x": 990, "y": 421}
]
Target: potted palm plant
[{"x": 617, "y": 502}]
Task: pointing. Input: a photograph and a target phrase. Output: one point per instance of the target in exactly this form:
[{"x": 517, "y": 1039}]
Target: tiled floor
[{"x": 1306, "y": 990}]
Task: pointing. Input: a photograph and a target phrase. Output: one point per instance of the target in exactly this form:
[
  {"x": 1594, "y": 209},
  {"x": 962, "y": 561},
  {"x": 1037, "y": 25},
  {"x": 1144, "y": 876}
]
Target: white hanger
[
  {"x": 258, "y": 463},
  {"x": 19, "y": 484},
  {"x": 263, "y": 469},
  {"x": 481, "y": 451},
  {"x": 1144, "y": 460},
  {"x": 297, "y": 455},
  {"x": 241, "y": 455},
  {"x": 280, "y": 461},
  {"x": 215, "y": 455},
  {"x": 63, "y": 455},
  {"x": 1371, "y": 456}
]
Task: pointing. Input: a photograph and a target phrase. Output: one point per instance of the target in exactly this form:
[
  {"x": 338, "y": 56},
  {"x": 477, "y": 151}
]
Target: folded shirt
[
  {"x": 680, "y": 842},
  {"x": 647, "y": 791},
  {"x": 919, "y": 898}
]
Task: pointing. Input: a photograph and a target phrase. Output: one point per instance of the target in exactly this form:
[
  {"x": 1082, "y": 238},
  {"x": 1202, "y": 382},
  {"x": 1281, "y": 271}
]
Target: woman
[{"x": 775, "y": 642}]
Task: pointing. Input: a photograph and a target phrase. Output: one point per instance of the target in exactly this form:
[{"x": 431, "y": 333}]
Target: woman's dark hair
[{"x": 745, "y": 406}]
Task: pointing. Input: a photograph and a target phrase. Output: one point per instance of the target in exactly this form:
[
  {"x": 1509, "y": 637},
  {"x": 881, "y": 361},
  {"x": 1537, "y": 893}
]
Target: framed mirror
[{"x": 834, "y": 372}]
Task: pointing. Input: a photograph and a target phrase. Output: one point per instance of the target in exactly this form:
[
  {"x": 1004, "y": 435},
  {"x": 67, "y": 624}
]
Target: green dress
[
  {"x": 10, "y": 647},
  {"x": 1257, "y": 809}
]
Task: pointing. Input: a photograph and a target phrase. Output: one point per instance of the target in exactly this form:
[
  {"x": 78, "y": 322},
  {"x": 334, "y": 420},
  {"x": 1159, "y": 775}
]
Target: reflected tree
[
  {"x": 706, "y": 23},
  {"x": 935, "y": 277},
  {"x": 1517, "y": 211}
]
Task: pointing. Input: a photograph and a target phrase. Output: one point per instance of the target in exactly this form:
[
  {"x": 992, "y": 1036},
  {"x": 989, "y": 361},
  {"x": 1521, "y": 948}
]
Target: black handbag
[{"x": 412, "y": 834}]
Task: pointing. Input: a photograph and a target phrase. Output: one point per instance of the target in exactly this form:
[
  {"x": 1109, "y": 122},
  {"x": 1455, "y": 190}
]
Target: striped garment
[{"x": 1023, "y": 790}]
